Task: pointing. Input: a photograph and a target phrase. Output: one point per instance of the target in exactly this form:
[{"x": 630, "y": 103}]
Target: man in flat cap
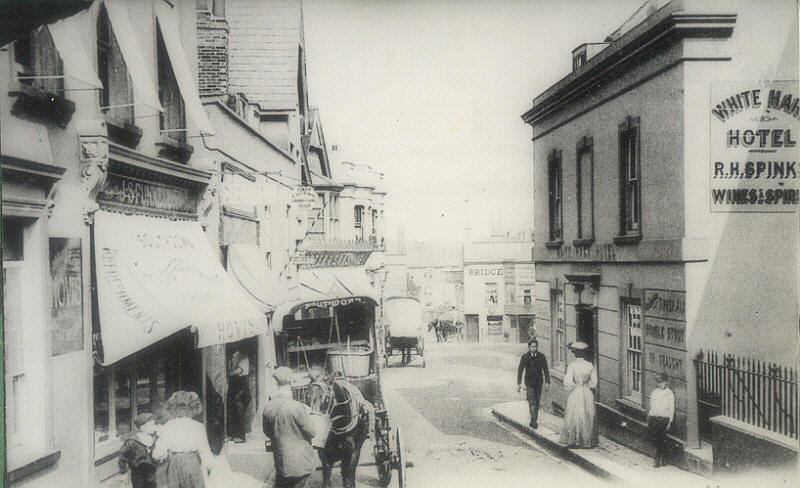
[{"x": 288, "y": 425}]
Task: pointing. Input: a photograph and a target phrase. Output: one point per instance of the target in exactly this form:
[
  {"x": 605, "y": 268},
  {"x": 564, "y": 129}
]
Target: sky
[{"x": 431, "y": 93}]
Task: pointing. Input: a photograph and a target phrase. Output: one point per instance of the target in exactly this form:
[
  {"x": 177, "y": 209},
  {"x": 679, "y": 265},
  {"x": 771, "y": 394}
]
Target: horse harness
[{"x": 358, "y": 406}]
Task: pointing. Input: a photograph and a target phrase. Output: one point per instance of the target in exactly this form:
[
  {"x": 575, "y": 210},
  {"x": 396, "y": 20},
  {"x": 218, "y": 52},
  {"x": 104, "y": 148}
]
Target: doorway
[
  {"x": 471, "y": 328},
  {"x": 587, "y": 328}
]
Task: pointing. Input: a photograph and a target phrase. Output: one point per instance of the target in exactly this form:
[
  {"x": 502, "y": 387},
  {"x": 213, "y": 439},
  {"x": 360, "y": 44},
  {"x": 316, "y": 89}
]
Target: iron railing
[{"x": 756, "y": 392}]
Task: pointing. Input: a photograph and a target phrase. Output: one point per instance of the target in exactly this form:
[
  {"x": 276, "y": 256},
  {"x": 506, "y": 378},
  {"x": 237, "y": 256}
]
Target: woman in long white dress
[{"x": 579, "y": 417}]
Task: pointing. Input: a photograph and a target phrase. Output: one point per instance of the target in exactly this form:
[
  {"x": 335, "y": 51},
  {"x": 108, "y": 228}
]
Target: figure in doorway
[
  {"x": 579, "y": 417},
  {"x": 238, "y": 396}
]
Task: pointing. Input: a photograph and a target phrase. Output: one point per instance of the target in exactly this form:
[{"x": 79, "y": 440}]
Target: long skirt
[
  {"x": 579, "y": 419},
  {"x": 185, "y": 471}
]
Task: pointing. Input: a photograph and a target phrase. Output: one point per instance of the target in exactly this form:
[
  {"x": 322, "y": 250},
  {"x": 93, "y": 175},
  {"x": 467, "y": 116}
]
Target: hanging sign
[{"x": 754, "y": 132}]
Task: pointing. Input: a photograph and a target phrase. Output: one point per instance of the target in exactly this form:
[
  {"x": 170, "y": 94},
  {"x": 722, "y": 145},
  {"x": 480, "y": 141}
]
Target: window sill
[
  {"x": 583, "y": 242},
  {"x": 42, "y": 105},
  {"x": 554, "y": 244},
  {"x": 19, "y": 469},
  {"x": 627, "y": 239},
  {"x": 175, "y": 150},
  {"x": 631, "y": 407},
  {"x": 123, "y": 132}
]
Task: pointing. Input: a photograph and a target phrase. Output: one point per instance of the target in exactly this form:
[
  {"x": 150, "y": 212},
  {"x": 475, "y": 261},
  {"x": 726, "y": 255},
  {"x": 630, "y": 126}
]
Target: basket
[
  {"x": 350, "y": 362},
  {"x": 322, "y": 427}
]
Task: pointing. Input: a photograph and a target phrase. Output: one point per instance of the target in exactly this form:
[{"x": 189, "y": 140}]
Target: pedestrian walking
[
  {"x": 183, "y": 443},
  {"x": 534, "y": 364},
  {"x": 288, "y": 425},
  {"x": 659, "y": 418},
  {"x": 238, "y": 396},
  {"x": 579, "y": 417},
  {"x": 134, "y": 456}
]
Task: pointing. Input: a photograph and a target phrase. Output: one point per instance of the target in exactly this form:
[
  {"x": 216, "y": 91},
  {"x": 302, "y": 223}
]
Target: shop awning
[
  {"x": 77, "y": 63},
  {"x": 143, "y": 85},
  {"x": 324, "y": 287},
  {"x": 170, "y": 31},
  {"x": 248, "y": 266},
  {"x": 157, "y": 276}
]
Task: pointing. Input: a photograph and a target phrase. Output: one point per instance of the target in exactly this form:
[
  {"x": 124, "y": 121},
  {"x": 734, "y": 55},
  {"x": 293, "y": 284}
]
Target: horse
[{"x": 351, "y": 419}]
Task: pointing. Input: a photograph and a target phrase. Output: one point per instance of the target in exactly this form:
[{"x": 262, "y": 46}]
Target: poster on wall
[
  {"x": 494, "y": 325},
  {"x": 754, "y": 132},
  {"x": 66, "y": 310}
]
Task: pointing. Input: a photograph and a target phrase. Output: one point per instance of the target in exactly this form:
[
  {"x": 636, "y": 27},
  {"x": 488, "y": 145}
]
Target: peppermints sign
[{"x": 754, "y": 133}]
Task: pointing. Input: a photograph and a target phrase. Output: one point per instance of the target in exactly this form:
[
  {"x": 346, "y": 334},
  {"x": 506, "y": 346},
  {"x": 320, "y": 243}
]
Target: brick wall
[{"x": 212, "y": 53}]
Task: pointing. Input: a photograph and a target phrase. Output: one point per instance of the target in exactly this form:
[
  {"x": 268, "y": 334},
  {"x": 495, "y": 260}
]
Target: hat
[
  {"x": 143, "y": 418},
  {"x": 579, "y": 346},
  {"x": 282, "y": 375},
  {"x": 661, "y": 377}
]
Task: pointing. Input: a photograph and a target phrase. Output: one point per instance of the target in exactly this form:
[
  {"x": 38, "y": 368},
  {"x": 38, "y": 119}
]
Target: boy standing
[
  {"x": 659, "y": 418},
  {"x": 135, "y": 453}
]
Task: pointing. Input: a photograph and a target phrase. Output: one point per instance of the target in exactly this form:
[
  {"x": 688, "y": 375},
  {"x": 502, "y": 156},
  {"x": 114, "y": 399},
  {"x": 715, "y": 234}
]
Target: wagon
[
  {"x": 404, "y": 329},
  {"x": 338, "y": 333}
]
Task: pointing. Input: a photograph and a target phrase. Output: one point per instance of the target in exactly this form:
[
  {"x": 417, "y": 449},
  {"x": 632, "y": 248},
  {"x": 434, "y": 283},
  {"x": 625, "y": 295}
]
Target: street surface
[{"x": 452, "y": 438}]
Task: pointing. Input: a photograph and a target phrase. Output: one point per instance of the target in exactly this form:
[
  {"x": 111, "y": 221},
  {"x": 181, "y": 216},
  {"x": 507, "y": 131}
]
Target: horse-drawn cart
[
  {"x": 330, "y": 343},
  {"x": 404, "y": 329}
]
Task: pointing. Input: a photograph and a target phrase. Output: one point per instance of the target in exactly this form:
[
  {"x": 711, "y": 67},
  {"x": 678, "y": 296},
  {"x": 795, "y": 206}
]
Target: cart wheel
[
  {"x": 383, "y": 457},
  {"x": 402, "y": 473}
]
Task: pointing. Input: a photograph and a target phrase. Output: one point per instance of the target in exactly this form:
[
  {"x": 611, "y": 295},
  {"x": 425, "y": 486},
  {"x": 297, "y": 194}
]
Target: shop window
[
  {"x": 172, "y": 120},
  {"x": 123, "y": 406},
  {"x": 102, "y": 402},
  {"x": 633, "y": 325},
  {"x": 116, "y": 97},
  {"x": 24, "y": 347},
  {"x": 585, "y": 189},
  {"x": 559, "y": 329},
  {"x": 630, "y": 178},
  {"x": 123, "y": 391},
  {"x": 555, "y": 195}
]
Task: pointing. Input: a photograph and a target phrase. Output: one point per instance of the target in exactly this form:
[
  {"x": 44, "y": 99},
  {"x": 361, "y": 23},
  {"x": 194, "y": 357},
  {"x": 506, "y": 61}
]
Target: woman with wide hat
[{"x": 579, "y": 417}]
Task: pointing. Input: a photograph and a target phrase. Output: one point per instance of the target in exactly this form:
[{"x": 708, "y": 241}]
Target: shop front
[{"x": 163, "y": 306}]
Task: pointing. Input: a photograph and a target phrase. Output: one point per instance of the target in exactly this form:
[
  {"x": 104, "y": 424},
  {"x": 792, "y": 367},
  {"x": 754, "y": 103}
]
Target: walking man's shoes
[{"x": 534, "y": 425}]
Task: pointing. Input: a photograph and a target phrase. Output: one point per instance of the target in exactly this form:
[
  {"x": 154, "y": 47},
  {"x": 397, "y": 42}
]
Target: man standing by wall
[
  {"x": 288, "y": 425},
  {"x": 534, "y": 364}
]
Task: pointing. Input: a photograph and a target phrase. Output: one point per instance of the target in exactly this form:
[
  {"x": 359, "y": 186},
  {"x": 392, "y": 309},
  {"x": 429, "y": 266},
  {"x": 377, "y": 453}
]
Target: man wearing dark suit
[{"x": 534, "y": 364}]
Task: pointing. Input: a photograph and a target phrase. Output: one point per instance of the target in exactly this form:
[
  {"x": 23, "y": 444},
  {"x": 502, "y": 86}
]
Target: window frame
[
  {"x": 555, "y": 196},
  {"x": 629, "y": 372},
  {"x": 42, "y": 55},
  {"x": 559, "y": 329},
  {"x": 584, "y": 147},
  {"x": 174, "y": 107},
  {"x": 113, "y": 89},
  {"x": 630, "y": 178}
]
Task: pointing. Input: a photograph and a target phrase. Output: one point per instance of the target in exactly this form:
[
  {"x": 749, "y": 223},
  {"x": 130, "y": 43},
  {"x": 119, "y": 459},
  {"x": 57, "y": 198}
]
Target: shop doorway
[
  {"x": 471, "y": 327},
  {"x": 587, "y": 328},
  {"x": 526, "y": 330},
  {"x": 241, "y": 359}
]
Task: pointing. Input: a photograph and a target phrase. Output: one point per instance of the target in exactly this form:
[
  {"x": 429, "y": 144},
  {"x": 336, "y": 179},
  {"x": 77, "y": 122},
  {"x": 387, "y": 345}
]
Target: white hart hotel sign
[{"x": 754, "y": 133}]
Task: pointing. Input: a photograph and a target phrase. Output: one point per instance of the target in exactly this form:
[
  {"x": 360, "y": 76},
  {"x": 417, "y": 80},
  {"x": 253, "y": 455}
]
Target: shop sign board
[
  {"x": 336, "y": 302},
  {"x": 671, "y": 362},
  {"x": 66, "y": 311},
  {"x": 132, "y": 192},
  {"x": 494, "y": 325},
  {"x": 304, "y": 196},
  {"x": 753, "y": 142}
]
